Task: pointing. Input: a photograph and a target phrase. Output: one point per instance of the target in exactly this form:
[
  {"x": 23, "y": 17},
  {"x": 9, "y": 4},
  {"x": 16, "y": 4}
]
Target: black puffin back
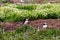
[{"x": 23, "y": 21}]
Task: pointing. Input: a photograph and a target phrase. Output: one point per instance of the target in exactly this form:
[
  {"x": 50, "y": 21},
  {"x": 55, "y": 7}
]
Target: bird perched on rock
[
  {"x": 25, "y": 21},
  {"x": 45, "y": 25}
]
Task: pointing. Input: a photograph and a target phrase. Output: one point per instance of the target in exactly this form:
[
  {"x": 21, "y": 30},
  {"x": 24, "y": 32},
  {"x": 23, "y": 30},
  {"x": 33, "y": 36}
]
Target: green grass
[
  {"x": 18, "y": 12},
  {"x": 30, "y": 33}
]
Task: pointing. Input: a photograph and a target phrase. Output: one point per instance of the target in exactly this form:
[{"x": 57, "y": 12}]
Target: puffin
[
  {"x": 25, "y": 21},
  {"x": 45, "y": 25}
]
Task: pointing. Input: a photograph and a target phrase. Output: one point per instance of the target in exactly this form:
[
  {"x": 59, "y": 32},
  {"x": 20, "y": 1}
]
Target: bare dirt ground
[{"x": 52, "y": 23}]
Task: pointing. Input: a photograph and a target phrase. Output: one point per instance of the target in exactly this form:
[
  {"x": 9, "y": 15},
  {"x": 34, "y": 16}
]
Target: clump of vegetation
[
  {"x": 1, "y": 0},
  {"x": 30, "y": 33},
  {"x": 19, "y": 12}
]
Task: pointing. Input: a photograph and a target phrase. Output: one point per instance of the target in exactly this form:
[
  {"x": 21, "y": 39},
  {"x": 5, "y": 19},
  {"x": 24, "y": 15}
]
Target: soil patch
[{"x": 52, "y": 23}]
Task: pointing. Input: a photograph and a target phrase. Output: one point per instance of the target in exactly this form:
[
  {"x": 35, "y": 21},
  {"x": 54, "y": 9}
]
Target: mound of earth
[{"x": 52, "y": 23}]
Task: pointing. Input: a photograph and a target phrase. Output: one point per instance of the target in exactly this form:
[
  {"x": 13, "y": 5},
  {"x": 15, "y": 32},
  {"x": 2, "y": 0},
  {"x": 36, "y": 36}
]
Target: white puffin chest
[
  {"x": 25, "y": 22},
  {"x": 44, "y": 26}
]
